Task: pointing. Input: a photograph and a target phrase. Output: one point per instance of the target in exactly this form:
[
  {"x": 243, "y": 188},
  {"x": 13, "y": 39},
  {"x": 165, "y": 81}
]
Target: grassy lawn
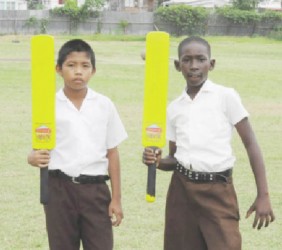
[{"x": 250, "y": 65}]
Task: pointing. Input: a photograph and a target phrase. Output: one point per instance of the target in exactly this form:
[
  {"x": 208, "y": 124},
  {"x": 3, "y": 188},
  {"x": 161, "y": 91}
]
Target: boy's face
[
  {"x": 76, "y": 71},
  {"x": 194, "y": 63}
]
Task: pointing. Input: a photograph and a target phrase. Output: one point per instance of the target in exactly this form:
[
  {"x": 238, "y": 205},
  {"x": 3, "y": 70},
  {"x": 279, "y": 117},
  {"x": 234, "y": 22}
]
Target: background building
[{"x": 135, "y": 5}]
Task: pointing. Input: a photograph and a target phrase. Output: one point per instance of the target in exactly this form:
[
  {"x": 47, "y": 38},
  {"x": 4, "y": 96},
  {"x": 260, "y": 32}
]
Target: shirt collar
[{"x": 208, "y": 86}]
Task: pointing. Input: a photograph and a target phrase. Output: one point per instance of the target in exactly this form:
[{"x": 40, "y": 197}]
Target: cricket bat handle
[
  {"x": 151, "y": 183},
  {"x": 44, "y": 186}
]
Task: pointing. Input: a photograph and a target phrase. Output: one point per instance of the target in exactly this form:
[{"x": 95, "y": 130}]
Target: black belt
[
  {"x": 204, "y": 176},
  {"x": 82, "y": 179}
]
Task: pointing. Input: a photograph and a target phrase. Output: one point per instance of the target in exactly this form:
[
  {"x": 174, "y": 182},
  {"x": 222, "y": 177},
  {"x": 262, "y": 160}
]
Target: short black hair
[
  {"x": 75, "y": 45},
  {"x": 193, "y": 39}
]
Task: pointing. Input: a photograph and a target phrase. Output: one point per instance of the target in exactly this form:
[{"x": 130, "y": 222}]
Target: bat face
[
  {"x": 155, "y": 99},
  {"x": 155, "y": 89},
  {"x": 43, "y": 91}
]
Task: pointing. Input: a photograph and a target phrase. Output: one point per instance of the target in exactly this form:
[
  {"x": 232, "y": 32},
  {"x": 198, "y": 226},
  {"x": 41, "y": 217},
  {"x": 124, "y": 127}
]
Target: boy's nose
[
  {"x": 78, "y": 70},
  {"x": 194, "y": 64}
]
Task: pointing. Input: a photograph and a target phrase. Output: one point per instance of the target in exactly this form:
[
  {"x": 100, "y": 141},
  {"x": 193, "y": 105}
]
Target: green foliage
[
  {"x": 238, "y": 16},
  {"x": 276, "y": 33},
  {"x": 188, "y": 20},
  {"x": 245, "y": 4},
  {"x": 91, "y": 7},
  {"x": 43, "y": 25},
  {"x": 79, "y": 14},
  {"x": 244, "y": 16},
  {"x": 34, "y": 5},
  {"x": 70, "y": 9},
  {"x": 123, "y": 24},
  {"x": 271, "y": 16},
  {"x": 31, "y": 22},
  {"x": 36, "y": 24}
]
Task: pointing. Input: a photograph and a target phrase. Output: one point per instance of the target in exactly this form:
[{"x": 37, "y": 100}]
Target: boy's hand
[
  {"x": 264, "y": 214},
  {"x": 115, "y": 212},
  {"x": 39, "y": 158},
  {"x": 152, "y": 156}
]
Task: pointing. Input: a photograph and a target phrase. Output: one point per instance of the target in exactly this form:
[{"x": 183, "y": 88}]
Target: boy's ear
[
  {"x": 58, "y": 69},
  {"x": 212, "y": 64},
  {"x": 177, "y": 65},
  {"x": 93, "y": 71}
]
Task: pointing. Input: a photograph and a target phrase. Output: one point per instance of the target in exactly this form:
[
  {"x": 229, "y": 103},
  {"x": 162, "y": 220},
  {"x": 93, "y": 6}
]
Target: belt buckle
[
  {"x": 74, "y": 181},
  {"x": 211, "y": 177},
  {"x": 190, "y": 175}
]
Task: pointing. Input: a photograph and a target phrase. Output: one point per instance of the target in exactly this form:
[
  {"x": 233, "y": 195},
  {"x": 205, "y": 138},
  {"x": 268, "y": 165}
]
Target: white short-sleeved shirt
[
  {"x": 84, "y": 136},
  {"x": 202, "y": 127}
]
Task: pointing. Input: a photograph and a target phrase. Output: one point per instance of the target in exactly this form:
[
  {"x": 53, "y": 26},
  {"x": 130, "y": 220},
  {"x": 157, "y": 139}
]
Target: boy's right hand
[
  {"x": 151, "y": 155},
  {"x": 39, "y": 158}
]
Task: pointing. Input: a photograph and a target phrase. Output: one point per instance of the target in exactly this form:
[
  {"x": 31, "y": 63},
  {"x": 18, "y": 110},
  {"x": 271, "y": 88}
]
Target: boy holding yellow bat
[
  {"x": 201, "y": 210},
  {"x": 88, "y": 132}
]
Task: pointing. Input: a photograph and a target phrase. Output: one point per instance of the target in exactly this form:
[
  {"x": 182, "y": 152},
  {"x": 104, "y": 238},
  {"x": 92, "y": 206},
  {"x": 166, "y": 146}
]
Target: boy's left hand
[
  {"x": 151, "y": 155},
  {"x": 39, "y": 158},
  {"x": 115, "y": 212},
  {"x": 264, "y": 214}
]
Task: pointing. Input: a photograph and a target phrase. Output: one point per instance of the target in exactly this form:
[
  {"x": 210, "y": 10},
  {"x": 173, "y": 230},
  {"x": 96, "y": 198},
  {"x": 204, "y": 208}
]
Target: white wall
[{"x": 13, "y": 5}]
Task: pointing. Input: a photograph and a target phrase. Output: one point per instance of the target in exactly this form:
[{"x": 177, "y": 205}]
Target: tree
[
  {"x": 78, "y": 14},
  {"x": 34, "y": 4},
  {"x": 245, "y": 4}
]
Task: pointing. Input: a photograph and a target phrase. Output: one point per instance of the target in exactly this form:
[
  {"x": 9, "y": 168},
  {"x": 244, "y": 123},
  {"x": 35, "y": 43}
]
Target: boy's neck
[
  {"x": 76, "y": 96},
  {"x": 192, "y": 91}
]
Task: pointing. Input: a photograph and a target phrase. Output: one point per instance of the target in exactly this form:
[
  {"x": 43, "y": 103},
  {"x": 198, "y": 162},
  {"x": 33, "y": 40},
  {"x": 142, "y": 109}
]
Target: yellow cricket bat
[
  {"x": 43, "y": 100},
  {"x": 155, "y": 99}
]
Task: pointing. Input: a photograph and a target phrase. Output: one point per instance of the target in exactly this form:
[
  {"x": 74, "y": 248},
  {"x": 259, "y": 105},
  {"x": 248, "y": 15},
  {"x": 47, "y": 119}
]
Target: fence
[
  {"x": 109, "y": 22},
  {"x": 115, "y": 22}
]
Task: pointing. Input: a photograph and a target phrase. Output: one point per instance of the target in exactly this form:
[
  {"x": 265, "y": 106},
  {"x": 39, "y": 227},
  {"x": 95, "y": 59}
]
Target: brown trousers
[
  {"x": 201, "y": 216},
  {"x": 78, "y": 212}
]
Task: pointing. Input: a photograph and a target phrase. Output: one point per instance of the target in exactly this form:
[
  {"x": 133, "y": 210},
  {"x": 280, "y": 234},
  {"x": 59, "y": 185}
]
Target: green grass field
[{"x": 250, "y": 65}]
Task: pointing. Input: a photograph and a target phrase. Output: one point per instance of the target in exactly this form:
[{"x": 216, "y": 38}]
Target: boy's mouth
[
  {"x": 194, "y": 76},
  {"x": 78, "y": 80}
]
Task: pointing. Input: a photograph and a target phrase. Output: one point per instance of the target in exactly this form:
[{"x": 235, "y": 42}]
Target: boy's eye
[{"x": 186, "y": 59}]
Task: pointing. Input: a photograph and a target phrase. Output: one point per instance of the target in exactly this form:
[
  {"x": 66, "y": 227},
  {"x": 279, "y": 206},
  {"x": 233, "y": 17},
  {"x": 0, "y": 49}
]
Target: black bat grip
[
  {"x": 44, "y": 186},
  {"x": 151, "y": 183}
]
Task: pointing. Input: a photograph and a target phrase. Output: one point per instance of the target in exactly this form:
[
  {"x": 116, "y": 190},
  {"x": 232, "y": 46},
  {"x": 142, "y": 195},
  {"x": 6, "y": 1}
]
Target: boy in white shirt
[
  {"x": 88, "y": 130},
  {"x": 201, "y": 210}
]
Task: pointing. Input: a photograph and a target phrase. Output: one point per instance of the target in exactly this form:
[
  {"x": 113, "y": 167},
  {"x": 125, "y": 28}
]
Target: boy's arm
[
  {"x": 39, "y": 158},
  {"x": 114, "y": 172},
  {"x": 262, "y": 206},
  {"x": 167, "y": 163}
]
